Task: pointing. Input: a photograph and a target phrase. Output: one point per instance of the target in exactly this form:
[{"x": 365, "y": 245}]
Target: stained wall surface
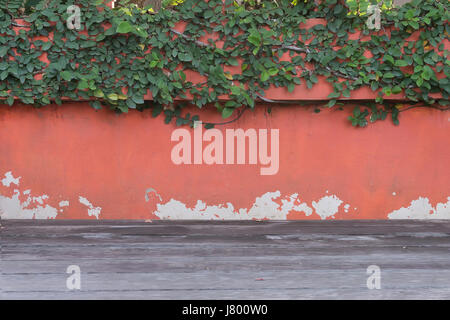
[{"x": 72, "y": 162}]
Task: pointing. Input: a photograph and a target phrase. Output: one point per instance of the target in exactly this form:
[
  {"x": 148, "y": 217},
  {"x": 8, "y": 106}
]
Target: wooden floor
[{"x": 225, "y": 260}]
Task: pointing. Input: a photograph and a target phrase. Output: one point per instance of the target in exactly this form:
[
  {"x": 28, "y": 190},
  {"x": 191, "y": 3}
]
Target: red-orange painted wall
[
  {"x": 115, "y": 161},
  {"x": 71, "y": 162}
]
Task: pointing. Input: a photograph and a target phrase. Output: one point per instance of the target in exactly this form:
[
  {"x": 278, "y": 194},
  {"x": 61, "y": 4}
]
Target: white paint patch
[
  {"x": 422, "y": 209},
  {"x": 40, "y": 199},
  {"x": 9, "y": 178},
  {"x": 264, "y": 207},
  {"x": 13, "y": 208},
  {"x": 346, "y": 207},
  {"x": 151, "y": 190},
  {"x": 34, "y": 206},
  {"x": 327, "y": 207},
  {"x": 92, "y": 211},
  {"x": 63, "y": 204},
  {"x": 394, "y": 193}
]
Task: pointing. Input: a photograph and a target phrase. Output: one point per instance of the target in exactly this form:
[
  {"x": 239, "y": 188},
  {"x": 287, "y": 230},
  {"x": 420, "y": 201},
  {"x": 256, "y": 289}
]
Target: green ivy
[{"x": 140, "y": 50}]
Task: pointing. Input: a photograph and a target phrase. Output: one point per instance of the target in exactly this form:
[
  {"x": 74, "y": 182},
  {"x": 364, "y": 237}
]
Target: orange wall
[{"x": 114, "y": 166}]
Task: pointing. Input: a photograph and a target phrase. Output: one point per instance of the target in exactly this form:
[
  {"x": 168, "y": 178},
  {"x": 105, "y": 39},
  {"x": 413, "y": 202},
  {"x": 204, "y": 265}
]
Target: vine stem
[
  {"x": 240, "y": 113},
  {"x": 181, "y": 34}
]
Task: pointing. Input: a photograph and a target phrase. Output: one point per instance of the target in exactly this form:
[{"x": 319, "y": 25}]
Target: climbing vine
[{"x": 120, "y": 54}]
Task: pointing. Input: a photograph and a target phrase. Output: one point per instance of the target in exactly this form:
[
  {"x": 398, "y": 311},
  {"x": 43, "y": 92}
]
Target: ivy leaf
[
  {"x": 208, "y": 14},
  {"x": 273, "y": 71},
  {"x": 228, "y": 75},
  {"x": 291, "y": 87},
  {"x": 138, "y": 99},
  {"x": 418, "y": 59},
  {"x": 156, "y": 111},
  {"x": 414, "y": 24},
  {"x": 401, "y": 63},
  {"x": 265, "y": 76},
  {"x": 396, "y": 89},
  {"x": 10, "y": 100},
  {"x": 138, "y": 31},
  {"x": 3, "y": 51},
  {"x": 99, "y": 93},
  {"x": 83, "y": 84},
  {"x": 254, "y": 38},
  {"x": 427, "y": 73},
  {"x": 227, "y": 112},
  {"x": 96, "y": 105},
  {"x": 66, "y": 75},
  {"x": 154, "y": 63},
  {"x": 131, "y": 104},
  {"x": 124, "y": 27},
  {"x": 233, "y": 62},
  {"x": 389, "y": 58},
  {"x": 334, "y": 95},
  {"x": 46, "y": 46},
  {"x": 113, "y": 96},
  {"x": 186, "y": 57}
]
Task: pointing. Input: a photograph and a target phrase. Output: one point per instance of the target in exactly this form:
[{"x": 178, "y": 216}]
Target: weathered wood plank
[
  {"x": 235, "y": 280},
  {"x": 408, "y": 261},
  {"x": 239, "y": 260}
]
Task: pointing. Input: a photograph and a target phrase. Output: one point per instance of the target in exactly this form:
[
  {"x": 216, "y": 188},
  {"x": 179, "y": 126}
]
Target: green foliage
[
  {"x": 122, "y": 53},
  {"x": 17, "y": 7}
]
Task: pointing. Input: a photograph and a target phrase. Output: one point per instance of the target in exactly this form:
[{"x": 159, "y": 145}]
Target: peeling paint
[
  {"x": 9, "y": 178},
  {"x": 264, "y": 207},
  {"x": 327, "y": 207},
  {"x": 270, "y": 206},
  {"x": 346, "y": 207},
  {"x": 92, "y": 211},
  {"x": 422, "y": 209},
  {"x": 151, "y": 190},
  {"x": 34, "y": 206},
  {"x": 13, "y": 208},
  {"x": 63, "y": 204},
  {"x": 40, "y": 199}
]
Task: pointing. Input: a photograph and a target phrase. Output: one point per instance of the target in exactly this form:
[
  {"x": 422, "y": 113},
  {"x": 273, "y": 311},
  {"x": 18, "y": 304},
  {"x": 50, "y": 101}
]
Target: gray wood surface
[{"x": 225, "y": 260}]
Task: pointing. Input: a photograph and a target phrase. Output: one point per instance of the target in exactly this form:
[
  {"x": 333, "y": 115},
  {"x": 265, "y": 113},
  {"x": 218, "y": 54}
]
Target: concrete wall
[{"x": 71, "y": 162}]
